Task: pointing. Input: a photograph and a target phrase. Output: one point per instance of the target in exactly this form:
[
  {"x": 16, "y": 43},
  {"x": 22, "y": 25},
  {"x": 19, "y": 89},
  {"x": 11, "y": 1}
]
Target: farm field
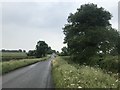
[
  {"x": 12, "y": 55},
  {"x": 15, "y": 64},
  {"x": 71, "y": 75}
]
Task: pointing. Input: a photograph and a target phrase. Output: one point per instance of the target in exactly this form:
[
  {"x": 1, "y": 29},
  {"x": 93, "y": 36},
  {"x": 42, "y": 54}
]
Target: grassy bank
[
  {"x": 67, "y": 75},
  {"x": 15, "y": 64}
]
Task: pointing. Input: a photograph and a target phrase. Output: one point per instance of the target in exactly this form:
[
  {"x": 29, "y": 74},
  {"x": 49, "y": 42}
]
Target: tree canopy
[
  {"x": 41, "y": 49},
  {"x": 89, "y": 31},
  {"x": 64, "y": 51}
]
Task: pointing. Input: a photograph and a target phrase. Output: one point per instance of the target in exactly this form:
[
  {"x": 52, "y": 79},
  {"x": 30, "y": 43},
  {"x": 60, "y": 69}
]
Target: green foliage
[
  {"x": 90, "y": 15},
  {"x": 88, "y": 32},
  {"x": 71, "y": 75},
  {"x": 31, "y": 53},
  {"x": 41, "y": 49},
  {"x": 64, "y": 51},
  {"x": 108, "y": 63},
  {"x": 15, "y": 64},
  {"x": 118, "y": 45},
  {"x": 50, "y": 51}
]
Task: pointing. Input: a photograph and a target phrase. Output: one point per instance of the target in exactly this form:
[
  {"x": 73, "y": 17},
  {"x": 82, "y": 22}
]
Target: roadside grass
[
  {"x": 15, "y": 64},
  {"x": 68, "y": 75}
]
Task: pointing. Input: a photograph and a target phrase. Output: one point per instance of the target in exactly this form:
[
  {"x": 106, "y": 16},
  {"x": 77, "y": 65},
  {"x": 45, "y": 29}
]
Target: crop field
[
  {"x": 13, "y": 55},
  {"x": 69, "y": 75},
  {"x": 15, "y": 64}
]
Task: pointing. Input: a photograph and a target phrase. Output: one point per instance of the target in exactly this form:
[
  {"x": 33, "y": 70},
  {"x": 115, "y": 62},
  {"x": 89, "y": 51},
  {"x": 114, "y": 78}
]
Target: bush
[{"x": 109, "y": 63}]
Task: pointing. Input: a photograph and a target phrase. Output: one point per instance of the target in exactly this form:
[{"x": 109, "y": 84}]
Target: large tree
[
  {"x": 88, "y": 32},
  {"x": 64, "y": 51},
  {"x": 41, "y": 49}
]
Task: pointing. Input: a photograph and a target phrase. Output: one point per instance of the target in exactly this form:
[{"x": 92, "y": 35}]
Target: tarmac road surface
[{"x": 34, "y": 76}]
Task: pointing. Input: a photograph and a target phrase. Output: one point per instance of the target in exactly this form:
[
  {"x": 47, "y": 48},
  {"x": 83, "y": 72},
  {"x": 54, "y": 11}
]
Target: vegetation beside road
[
  {"x": 70, "y": 75},
  {"x": 93, "y": 47},
  {"x": 90, "y": 37},
  {"x": 15, "y": 64}
]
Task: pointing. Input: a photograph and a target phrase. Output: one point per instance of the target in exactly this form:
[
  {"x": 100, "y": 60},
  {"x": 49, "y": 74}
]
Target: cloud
[
  {"x": 36, "y": 15},
  {"x": 24, "y": 23}
]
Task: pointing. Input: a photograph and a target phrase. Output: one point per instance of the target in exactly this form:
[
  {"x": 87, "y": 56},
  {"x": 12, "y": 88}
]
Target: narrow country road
[{"x": 34, "y": 76}]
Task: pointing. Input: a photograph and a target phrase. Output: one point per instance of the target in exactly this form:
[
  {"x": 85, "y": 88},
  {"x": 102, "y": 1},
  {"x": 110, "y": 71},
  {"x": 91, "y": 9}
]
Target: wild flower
[
  {"x": 64, "y": 79},
  {"x": 105, "y": 87},
  {"x": 72, "y": 84},
  {"x": 117, "y": 74},
  {"x": 79, "y": 81},
  {"x": 116, "y": 80},
  {"x": 68, "y": 86},
  {"x": 79, "y": 87},
  {"x": 113, "y": 84},
  {"x": 95, "y": 71},
  {"x": 76, "y": 77},
  {"x": 109, "y": 72},
  {"x": 70, "y": 71}
]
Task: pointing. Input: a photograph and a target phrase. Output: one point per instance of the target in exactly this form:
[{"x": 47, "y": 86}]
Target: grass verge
[
  {"x": 67, "y": 75},
  {"x": 15, "y": 64}
]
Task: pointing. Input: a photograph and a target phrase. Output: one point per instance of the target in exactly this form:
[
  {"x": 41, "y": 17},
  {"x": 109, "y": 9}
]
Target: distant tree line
[
  {"x": 41, "y": 50},
  {"x": 20, "y": 50}
]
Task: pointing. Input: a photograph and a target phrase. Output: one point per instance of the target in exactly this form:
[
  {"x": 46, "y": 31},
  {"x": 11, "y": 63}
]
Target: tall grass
[
  {"x": 67, "y": 75},
  {"x": 15, "y": 64}
]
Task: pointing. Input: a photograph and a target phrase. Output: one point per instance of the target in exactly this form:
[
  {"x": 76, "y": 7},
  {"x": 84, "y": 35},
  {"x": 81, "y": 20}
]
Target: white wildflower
[
  {"x": 64, "y": 79},
  {"x": 70, "y": 71},
  {"x": 79, "y": 87},
  {"x": 76, "y": 77},
  {"x": 95, "y": 71},
  {"x": 68, "y": 86},
  {"x": 95, "y": 78},
  {"x": 72, "y": 84},
  {"x": 117, "y": 74},
  {"x": 113, "y": 84},
  {"x": 116, "y": 80},
  {"x": 105, "y": 87}
]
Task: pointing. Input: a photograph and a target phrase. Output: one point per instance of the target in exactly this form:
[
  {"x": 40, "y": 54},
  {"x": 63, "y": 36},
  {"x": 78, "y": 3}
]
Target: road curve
[{"x": 34, "y": 76}]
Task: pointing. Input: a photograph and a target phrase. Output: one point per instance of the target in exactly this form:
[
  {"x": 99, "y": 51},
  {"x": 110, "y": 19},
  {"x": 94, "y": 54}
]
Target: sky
[{"x": 23, "y": 23}]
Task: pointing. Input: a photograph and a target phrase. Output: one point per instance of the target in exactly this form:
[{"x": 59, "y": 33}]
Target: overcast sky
[{"x": 25, "y": 23}]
